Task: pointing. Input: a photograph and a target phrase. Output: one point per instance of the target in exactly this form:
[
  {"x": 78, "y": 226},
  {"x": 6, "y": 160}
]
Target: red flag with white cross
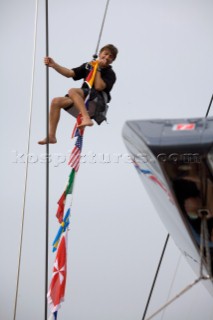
[{"x": 58, "y": 283}]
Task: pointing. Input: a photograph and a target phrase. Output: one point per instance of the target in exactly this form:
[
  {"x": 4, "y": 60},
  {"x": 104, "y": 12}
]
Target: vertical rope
[
  {"x": 47, "y": 165},
  {"x": 27, "y": 163},
  {"x": 101, "y": 30}
]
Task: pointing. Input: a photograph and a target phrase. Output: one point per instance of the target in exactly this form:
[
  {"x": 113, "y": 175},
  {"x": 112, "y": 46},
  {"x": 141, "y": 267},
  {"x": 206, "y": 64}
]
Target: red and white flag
[
  {"x": 61, "y": 206},
  {"x": 57, "y": 287},
  {"x": 75, "y": 155}
]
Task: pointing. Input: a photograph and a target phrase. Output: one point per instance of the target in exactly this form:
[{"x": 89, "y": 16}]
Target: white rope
[
  {"x": 172, "y": 283},
  {"x": 178, "y": 296},
  {"x": 27, "y": 163},
  {"x": 204, "y": 235}
]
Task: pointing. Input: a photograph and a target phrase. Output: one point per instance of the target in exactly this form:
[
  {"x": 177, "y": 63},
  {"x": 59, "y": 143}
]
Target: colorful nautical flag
[
  {"x": 76, "y": 131},
  {"x": 75, "y": 156},
  {"x": 62, "y": 200},
  {"x": 63, "y": 227},
  {"x": 91, "y": 76},
  {"x": 61, "y": 206},
  {"x": 56, "y": 291},
  {"x": 89, "y": 81},
  {"x": 70, "y": 183}
]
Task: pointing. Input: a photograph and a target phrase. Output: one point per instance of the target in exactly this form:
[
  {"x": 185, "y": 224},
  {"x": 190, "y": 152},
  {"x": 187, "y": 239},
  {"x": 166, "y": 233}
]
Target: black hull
[{"x": 174, "y": 159}]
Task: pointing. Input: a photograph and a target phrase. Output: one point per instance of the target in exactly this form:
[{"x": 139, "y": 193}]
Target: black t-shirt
[{"x": 107, "y": 74}]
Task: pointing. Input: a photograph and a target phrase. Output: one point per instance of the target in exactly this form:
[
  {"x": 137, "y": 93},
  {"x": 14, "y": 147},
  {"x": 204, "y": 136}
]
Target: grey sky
[{"x": 164, "y": 70}]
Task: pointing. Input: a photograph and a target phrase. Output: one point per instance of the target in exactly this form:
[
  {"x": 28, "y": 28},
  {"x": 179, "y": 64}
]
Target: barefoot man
[{"x": 104, "y": 80}]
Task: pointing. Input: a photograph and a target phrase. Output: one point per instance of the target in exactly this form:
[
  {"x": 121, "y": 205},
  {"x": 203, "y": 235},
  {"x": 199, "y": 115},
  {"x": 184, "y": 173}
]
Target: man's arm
[
  {"x": 99, "y": 83},
  {"x": 62, "y": 70}
]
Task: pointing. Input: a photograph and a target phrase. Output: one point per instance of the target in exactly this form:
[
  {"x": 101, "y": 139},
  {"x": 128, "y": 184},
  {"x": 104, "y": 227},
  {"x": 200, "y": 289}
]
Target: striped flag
[
  {"x": 62, "y": 200},
  {"x": 89, "y": 81},
  {"x": 91, "y": 76},
  {"x": 70, "y": 183},
  {"x": 75, "y": 155}
]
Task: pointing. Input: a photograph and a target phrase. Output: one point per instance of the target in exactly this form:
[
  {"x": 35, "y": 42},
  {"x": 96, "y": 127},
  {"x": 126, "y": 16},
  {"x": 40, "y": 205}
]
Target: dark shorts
[{"x": 97, "y": 105}]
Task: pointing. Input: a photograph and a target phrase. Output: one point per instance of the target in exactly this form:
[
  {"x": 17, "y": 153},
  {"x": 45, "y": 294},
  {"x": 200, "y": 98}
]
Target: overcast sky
[{"x": 164, "y": 70}]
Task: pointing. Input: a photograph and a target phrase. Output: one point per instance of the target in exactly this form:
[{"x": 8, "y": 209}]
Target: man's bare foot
[
  {"x": 86, "y": 122},
  {"x": 51, "y": 140}
]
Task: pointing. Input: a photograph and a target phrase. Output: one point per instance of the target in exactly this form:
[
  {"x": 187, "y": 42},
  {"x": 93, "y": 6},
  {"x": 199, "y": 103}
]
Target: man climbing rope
[{"x": 103, "y": 82}]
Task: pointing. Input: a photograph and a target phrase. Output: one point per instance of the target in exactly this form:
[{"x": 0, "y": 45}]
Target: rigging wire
[
  {"x": 101, "y": 30},
  {"x": 178, "y": 295},
  {"x": 47, "y": 164},
  {"x": 204, "y": 234},
  {"x": 203, "y": 245},
  {"x": 155, "y": 278},
  {"x": 27, "y": 163},
  {"x": 210, "y": 103},
  {"x": 172, "y": 283}
]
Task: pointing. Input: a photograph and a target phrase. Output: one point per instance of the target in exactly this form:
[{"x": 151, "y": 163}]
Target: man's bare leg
[
  {"x": 77, "y": 96},
  {"x": 55, "y": 109}
]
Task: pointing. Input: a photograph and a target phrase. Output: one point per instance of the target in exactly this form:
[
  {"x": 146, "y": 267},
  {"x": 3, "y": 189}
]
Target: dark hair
[{"x": 112, "y": 49}]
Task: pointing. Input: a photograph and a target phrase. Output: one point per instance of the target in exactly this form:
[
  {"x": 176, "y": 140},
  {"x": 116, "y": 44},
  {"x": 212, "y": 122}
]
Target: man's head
[
  {"x": 107, "y": 55},
  {"x": 112, "y": 49},
  {"x": 192, "y": 205}
]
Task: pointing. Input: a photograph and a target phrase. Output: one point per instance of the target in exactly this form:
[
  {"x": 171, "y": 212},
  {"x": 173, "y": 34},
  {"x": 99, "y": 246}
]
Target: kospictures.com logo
[{"x": 59, "y": 158}]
